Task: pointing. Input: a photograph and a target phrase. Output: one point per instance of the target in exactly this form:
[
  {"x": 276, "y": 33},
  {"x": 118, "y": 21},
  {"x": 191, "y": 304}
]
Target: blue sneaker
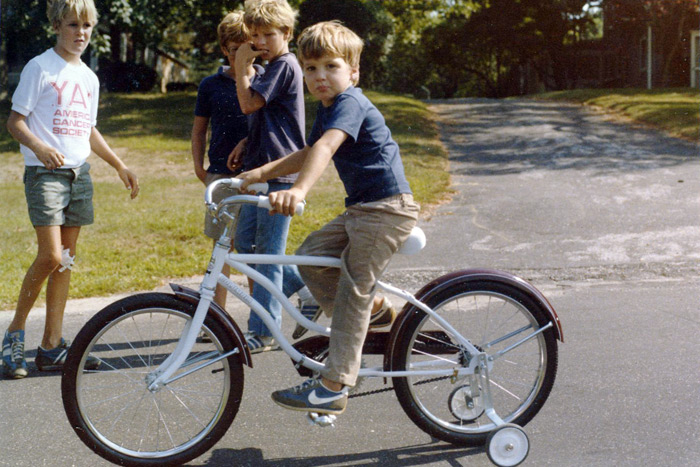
[
  {"x": 53, "y": 360},
  {"x": 310, "y": 310},
  {"x": 312, "y": 396},
  {"x": 13, "y": 363},
  {"x": 258, "y": 344}
]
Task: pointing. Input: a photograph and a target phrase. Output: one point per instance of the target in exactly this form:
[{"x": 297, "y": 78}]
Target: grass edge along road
[
  {"x": 674, "y": 110},
  {"x": 139, "y": 244}
]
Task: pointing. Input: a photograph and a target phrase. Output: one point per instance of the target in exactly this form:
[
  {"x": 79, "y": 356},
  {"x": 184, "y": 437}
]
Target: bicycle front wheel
[
  {"x": 493, "y": 316},
  {"x": 111, "y": 408}
]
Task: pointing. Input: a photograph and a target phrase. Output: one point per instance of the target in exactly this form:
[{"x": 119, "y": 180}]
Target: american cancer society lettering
[{"x": 72, "y": 117}]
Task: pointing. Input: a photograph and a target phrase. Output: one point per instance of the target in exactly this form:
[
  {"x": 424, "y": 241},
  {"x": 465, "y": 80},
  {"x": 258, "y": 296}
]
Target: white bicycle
[{"x": 472, "y": 357}]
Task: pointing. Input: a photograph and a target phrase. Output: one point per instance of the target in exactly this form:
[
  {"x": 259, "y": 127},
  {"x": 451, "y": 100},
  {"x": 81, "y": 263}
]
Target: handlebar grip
[
  {"x": 265, "y": 203},
  {"x": 256, "y": 187},
  {"x": 233, "y": 183}
]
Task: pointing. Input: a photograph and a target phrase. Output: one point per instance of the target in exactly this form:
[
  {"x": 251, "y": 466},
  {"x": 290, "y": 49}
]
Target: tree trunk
[{"x": 670, "y": 52}]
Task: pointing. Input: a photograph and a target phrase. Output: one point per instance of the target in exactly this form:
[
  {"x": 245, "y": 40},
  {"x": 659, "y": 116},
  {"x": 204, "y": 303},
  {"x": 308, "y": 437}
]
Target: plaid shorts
[{"x": 59, "y": 196}]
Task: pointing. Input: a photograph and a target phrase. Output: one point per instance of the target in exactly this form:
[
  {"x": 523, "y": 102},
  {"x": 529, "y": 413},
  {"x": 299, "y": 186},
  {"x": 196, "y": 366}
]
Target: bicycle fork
[{"x": 158, "y": 378}]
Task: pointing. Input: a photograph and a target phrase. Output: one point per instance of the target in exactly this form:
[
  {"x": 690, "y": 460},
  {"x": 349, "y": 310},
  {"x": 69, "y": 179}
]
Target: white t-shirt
[{"x": 60, "y": 103}]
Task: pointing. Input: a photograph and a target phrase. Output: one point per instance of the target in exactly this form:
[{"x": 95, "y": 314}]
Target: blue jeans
[{"x": 259, "y": 232}]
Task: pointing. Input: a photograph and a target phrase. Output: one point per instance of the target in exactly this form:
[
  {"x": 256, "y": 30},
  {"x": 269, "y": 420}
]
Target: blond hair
[
  {"x": 330, "y": 38},
  {"x": 57, "y": 10},
  {"x": 232, "y": 29},
  {"x": 270, "y": 13}
]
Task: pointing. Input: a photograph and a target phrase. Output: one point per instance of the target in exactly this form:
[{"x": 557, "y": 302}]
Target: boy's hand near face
[{"x": 245, "y": 56}]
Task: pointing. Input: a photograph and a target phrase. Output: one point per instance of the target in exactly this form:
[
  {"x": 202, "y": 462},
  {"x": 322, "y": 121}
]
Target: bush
[{"x": 127, "y": 76}]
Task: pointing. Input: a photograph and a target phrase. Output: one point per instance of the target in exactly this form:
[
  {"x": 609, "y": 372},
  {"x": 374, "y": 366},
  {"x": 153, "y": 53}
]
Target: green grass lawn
[
  {"x": 139, "y": 244},
  {"x": 676, "y": 111}
]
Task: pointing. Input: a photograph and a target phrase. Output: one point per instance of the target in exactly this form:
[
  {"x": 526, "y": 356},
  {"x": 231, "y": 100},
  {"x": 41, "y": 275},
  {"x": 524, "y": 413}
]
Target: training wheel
[
  {"x": 464, "y": 405},
  {"x": 507, "y": 446}
]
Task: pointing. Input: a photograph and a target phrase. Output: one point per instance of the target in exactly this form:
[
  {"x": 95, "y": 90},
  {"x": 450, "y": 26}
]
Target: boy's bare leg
[
  {"x": 47, "y": 259},
  {"x": 57, "y": 293}
]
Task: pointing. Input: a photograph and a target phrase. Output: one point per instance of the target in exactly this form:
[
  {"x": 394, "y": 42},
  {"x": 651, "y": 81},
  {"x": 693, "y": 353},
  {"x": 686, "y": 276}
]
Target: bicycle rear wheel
[
  {"x": 493, "y": 316},
  {"x": 111, "y": 408}
]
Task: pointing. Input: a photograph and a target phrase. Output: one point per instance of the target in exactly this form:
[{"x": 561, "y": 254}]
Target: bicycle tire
[
  {"x": 111, "y": 409},
  {"x": 520, "y": 381}
]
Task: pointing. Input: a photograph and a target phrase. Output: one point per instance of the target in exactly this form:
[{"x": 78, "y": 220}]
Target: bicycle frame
[{"x": 241, "y": 262}]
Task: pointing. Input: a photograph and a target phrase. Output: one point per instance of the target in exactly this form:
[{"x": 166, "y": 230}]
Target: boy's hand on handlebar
[
  {"x": 250, "y": 177},
  {"x": 285, "y": 201}
]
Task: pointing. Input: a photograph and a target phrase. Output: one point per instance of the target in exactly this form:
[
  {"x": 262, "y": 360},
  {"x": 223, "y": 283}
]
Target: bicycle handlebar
[
  {"x": 233, "y": 183},
  {"x": 259, "y": 201}
]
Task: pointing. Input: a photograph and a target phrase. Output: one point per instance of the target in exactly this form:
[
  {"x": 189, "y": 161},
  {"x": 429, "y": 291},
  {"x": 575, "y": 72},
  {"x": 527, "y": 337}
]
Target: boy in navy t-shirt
[
  {"x": 217, "y": 107},
  {"x": 275, "y": 100},
  {"x": 380, "y": 210}
]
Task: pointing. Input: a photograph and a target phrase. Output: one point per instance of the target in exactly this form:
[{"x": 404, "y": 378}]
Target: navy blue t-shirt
[
  {"x": 217, "y": 101},
  {"x": 277, "y": 129},
  {"x": 368, "y": 161}
]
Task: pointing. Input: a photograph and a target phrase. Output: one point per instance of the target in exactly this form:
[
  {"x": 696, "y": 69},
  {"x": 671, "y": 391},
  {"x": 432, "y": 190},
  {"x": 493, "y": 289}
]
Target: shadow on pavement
[{"x": 425, "y": 454}]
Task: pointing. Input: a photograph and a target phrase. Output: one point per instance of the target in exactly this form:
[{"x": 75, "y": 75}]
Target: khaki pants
[{"x": 364, "y": 237}]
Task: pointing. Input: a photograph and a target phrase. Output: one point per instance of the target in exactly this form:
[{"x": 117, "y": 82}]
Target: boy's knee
[{"x": 48, "y": 261}]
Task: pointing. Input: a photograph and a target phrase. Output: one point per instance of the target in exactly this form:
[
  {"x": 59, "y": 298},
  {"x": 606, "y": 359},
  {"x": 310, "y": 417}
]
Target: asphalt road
[{"x": 602, "y": 216}]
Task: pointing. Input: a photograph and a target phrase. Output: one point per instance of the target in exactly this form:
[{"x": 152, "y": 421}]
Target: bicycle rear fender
[
  {"x": 468, "y": 275},
  {"x": 221, "y": 316}
]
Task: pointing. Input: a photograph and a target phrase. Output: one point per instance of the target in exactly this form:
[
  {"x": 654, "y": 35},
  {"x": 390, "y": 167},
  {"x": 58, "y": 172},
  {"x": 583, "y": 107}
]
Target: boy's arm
[
  {"x": 104, "y": 152},
  {"x": 314, "y": 163},
  {"x": 199, "y": 145},
  {"x": 289, "y": 164},
  {"x": 249, "y": 100},
  {"x": 18, "y": 128}
]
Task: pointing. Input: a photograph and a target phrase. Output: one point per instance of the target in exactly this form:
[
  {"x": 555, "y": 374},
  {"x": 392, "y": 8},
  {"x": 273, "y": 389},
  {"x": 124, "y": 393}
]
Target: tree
[{"x": 368, "y": 19}]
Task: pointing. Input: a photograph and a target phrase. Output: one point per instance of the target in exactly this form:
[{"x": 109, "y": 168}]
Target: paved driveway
[{"x": 603, "y": 217}]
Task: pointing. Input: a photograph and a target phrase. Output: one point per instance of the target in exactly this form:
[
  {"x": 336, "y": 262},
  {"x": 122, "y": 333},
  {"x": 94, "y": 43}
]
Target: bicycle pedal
[{"x": 322, "y": 420}]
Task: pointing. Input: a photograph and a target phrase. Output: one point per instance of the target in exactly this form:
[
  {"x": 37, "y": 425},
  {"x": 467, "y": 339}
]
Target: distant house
[{"x": 650, "y": 53}]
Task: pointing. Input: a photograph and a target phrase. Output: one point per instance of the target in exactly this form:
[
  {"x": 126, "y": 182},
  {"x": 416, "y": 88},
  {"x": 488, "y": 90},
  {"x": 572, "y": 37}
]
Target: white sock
[{"x": 305, "y": 295}]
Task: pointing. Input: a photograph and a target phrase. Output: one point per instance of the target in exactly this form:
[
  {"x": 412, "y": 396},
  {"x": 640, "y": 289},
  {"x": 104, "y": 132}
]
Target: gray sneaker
[
  {"x": 257, "y": 344},
  {"x": 384, "y": 317},
  {"x": 311, "y": 311},
  {"x": 53, "y": 359}
]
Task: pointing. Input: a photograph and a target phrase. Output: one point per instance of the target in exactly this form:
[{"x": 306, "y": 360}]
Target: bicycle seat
[{"x": 415, "y": 242}]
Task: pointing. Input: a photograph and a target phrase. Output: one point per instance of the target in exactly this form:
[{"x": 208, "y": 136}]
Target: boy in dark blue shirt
[
  {"x": 380, "y": 210},
  {"x": 275, "y": 101},
  {"x": 217, "y": 106}
]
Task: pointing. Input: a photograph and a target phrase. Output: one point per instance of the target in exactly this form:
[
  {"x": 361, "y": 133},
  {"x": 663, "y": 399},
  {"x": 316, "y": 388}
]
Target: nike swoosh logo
[{"x": 316, "y": 400}]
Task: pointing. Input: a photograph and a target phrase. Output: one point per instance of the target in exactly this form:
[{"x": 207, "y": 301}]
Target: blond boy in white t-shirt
[{"x": 53, "y": 117}]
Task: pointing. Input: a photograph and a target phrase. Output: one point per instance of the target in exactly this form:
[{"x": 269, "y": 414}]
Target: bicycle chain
[{"x": 379, "y": 391}]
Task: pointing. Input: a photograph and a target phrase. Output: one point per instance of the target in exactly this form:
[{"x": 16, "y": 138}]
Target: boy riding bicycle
[{"x": 380, "y": 211}]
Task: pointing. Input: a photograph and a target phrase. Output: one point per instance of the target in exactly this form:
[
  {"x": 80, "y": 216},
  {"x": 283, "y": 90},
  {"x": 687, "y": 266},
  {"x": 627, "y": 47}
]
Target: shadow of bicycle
[{"x": 424, "y": 454}]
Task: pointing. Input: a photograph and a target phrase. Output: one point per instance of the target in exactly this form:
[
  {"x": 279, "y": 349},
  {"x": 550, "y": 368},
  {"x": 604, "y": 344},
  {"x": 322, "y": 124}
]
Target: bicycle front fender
[
  {"x": 221, "y": 316},
  {"x": 469, "y": 275}
]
